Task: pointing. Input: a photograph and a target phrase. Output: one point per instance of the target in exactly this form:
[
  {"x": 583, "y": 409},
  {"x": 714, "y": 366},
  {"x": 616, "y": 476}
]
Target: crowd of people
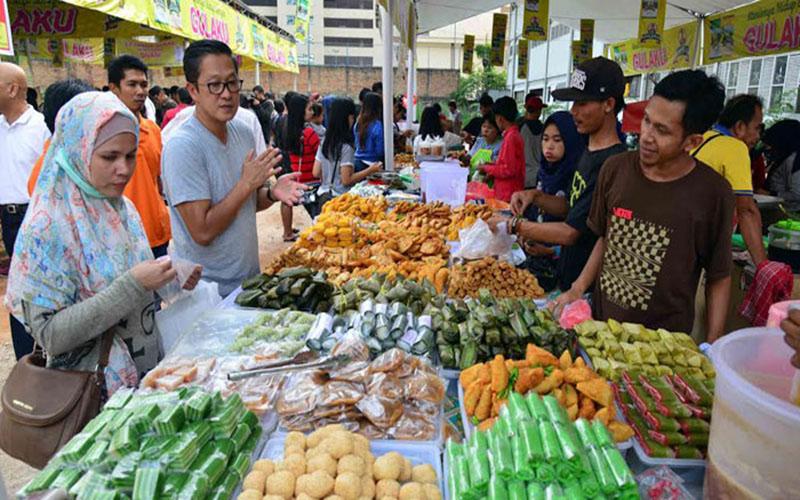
[{"x": 98, "y": 185}]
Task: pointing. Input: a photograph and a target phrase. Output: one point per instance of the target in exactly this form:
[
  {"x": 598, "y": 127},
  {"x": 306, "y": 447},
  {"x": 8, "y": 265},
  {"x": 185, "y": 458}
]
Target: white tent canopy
[{"x": 614, "y": 20}]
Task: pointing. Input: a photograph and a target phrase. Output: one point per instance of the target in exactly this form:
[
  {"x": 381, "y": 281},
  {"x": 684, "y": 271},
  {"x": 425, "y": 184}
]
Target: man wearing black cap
[
  {"x": 596, "y": 89},
  {"x": 530, "y": 128},
  {"x": 473, "y": 128}
]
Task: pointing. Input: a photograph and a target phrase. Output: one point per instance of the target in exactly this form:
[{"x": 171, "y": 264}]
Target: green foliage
[{"x": 470, "y": 87}]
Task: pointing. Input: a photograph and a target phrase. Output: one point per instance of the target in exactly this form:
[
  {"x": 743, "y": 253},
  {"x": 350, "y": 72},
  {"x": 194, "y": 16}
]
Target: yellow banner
[
  {"x": 675, "y": 52},
  {"x": 522, "y": 59},
  {"x": 498, "y": 38},
  {"x": 56, "y": 19},
  {"x": 534, "y": 20},
  {"x": 55, "y": 52},
  {"x": 587, "y": 30},
  {"x": 758, "y": 29},
  {"x": 651, "y": 22},
  {"x": 88, "y": 50},
  {"x": 469, "y": 51},
  {"x": 580, "y": 52},
  {"x": 6, "y": 45},
  {"x": 301, "y": 18},
  {"x": 164, "y": 53}
]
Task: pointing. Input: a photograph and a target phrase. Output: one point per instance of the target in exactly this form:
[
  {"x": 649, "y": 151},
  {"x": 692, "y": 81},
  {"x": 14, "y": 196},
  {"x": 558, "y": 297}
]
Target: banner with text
[
  {"x": 651, "y": 22},
  {"x": 6, "y": 43},
  {"x": 675, "y": 52},
  {"x": 580, "y": 52},
  {"x": 56, "y": 19},
  {"x": 469, "y": 51},
  {"x": 55, "y": 52},
  {"x": 498, "y": 38},
  {"x": 535, "y": 19},
  {"x": 159, "y": 54},
  {"x": 522, "y": 59},
  {"x": 759, "y": 29}
]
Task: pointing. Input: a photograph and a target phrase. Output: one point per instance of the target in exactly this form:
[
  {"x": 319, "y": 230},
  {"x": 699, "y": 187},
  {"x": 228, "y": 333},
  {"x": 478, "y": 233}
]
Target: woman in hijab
[
  {"x": 82, "y": 264},
  {"x": 783, "y": 153}
]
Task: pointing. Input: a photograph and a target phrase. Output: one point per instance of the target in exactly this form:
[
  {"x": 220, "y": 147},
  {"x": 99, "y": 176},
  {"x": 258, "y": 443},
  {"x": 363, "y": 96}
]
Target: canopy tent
[{"x": 248, "y": 35}]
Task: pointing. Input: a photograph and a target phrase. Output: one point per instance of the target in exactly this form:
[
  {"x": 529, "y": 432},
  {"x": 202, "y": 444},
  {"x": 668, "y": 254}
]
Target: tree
[{"x": 471, "y": 86}]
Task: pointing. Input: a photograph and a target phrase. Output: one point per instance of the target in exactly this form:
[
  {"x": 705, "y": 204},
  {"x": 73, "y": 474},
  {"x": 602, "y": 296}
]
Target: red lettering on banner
[
  {"x": 650, "y": 59},
  {"x": 48, "y": 21},
  {"x": 218, "y": 30},
  {"x": 623, "y": 213},
  {"x": 760, "y": 38}
]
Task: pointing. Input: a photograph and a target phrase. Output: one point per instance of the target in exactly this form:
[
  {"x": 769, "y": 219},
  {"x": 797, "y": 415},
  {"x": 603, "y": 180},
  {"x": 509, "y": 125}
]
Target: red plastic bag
[
  {"x": 479, "y": 191},
  {"x": 575, "y": 314}
]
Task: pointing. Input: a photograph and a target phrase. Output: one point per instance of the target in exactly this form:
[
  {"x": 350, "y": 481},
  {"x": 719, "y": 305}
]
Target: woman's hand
[
  {"x": 566, "y": 298},
  {"x": 153, "y": 274},
  {"x": 791, "y": 327},
  {"x": 194, "y": 278}
]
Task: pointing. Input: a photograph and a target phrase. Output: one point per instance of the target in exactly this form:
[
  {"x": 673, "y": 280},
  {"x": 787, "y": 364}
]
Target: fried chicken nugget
[
  {"x": 469, "y": 375},
  {"x": 587, "y": 409},
  {"x": 538, "y": 356},
  {"x": 597, "y": 389},
  {"x": 565, "y": 361},
  {"x": 472, "y": 397},
  {"x": 499, "y": 373},
  {"x": 552, "y": 381},
  {"x": 484, "y": 407},
  {"x": 578, "y": 374},
  {"x": 528, "y": 379}
]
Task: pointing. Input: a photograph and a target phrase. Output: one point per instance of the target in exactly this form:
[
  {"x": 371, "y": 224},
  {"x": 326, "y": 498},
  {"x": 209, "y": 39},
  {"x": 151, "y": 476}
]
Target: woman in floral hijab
[{"x": 82, "y": 263}]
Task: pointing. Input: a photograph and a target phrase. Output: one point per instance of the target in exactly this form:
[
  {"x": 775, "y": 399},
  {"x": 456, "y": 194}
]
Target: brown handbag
[{"x": 43, "y": 408}]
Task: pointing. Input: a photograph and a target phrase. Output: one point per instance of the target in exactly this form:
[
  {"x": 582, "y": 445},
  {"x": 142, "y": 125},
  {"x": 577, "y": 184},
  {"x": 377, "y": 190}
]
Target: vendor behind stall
[
  {"x": 662, "y": 217},
  {"x": 783, "y": 143},
  {"x": 83, "y": 265}
]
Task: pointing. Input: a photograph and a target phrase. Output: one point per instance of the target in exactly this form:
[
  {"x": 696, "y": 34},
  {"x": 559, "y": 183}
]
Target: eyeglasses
[{"x": 217, "y": 88}]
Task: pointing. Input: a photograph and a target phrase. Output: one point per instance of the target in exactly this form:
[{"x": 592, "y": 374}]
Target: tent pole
[
  {"x": 512, "y": 54},
  {"x": 697, "y": 42},
  {"x": 388, "y": 91},
  {"x": 258, "y": 73},
  {"x": 528, "y": 69},
  {"x": 545, "y": 93},
  {"x": 412, "y": 73}
]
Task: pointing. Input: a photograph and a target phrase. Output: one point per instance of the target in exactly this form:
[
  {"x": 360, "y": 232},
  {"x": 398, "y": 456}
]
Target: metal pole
[
  {"x": 258, "y": 73},
  {"x": 528, "y": 69},
  {"x": 388, "y": 84},
  {"x": 545, "y": 93},
  {"x": 512, "y": 52},
  {"x": 308, "y": 59},
  {"x": 410, "y": 81}
]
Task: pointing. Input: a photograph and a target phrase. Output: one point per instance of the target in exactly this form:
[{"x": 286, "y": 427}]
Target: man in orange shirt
[{"x": 127, "y": 79}]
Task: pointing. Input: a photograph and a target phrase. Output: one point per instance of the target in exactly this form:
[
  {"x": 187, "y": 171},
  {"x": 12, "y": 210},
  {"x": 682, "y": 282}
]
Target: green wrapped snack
[
  {"x": 554, "y": 410},
  {"x": 252, "y": 442},
  {"x": 124, "y": 473},
  {"x": 76, "y": 448},
  {"x": 251, "y": 420},
  {"x": 98, "y": 493},
  {"x": 226, "y": 447},
  {"x": 173, "y": 483},
  {"x": 184, "y": 451},
  {"x": 501, "y": 457},
  {"x": 96, "y": 454},
  {"x": 572, "y": 490},
  {"x": 535, "y": 491},
  {"x": 146, "y": 484},
  {"x": 229, "y": 484},
  {"x": 195, "y": 488},
  {"x": 550, "y": 443},
  {"x": 517, "y": 407},
  {"x": 656, "y": 450},
  {"x": 213, "y": 468},
  {"x": 516, "y": 490},
  {"x": 478, "y": 462},
  {"x": 553, "y": 492},
  {"x": 461, "y": 478},
  {"x": 455, "y": 452},
  {"x": 602, "y": 471},
  {"x": 66, "y": 479},
  {"x": 569, "y": 445},
  {"x": 240, "y": 465},
  {"x": 536, "y": 406},
  {"x": 528, "y": 432},
  {"x": 225, "y": 421},
  {"x": 97, "y": 425},
  {"x": 119, "y": 399},
  {"x": 205, "y": 454},
  {"x": 694, "y": 426},
  {"x": 601, "y": 434},
  {"x": 42, "y": 480},
  {"x": 157, "y": 447},
  {"x": 523, "y": 471},
  {"x": 545, "y": 473},
  {"x": 119, "y": 419},
  {"x": 240, "y": 436},
  {"x": 501, "y": 425},
  {"x": 497, "y": 489},
  {"x": 619, "y": 469},
  {"x": 585, "y": 432},
  {"x": 690, "y": 452},
  {"x": 202, "y": 432},
  {"x": 125, "y": 441},
  {"x": 171, "y": 421},
  {"x": 198, "y": 406},
  {"x": 564, "y": 472},
  {"x": 589, "y": 486}
]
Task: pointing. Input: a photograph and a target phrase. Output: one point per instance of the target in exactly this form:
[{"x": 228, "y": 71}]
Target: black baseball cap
[{"x": 594, "y": 80}]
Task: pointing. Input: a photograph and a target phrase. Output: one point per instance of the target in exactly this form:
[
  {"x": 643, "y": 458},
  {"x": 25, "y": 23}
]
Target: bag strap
[{"x": 696, "y": 151}]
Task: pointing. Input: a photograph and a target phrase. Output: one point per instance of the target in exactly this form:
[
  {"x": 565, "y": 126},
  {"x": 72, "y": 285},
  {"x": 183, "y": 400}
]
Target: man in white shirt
[{"x": 23, "y": 133}]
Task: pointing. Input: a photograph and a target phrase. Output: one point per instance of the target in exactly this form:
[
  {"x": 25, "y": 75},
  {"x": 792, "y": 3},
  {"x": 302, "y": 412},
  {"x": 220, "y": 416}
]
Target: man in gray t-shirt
[{"x": 213, "y": 181}]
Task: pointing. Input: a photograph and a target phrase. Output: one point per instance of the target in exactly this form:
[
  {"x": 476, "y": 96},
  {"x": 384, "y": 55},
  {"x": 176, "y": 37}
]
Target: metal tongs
[{"x": 290, "y": 365}]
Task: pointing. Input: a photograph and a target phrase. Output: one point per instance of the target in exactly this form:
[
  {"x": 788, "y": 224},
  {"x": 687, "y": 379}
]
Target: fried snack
[
  {"x": 371, "y": 209},
  {"x": 535, "y": 355},
  {"x": 597, "y": 389},
  {"x": 499, "y": 277},
  {"x": 528, "y": 379},
  {"x": 464, "y": 217},
  {"x": 499, "y": 373},
  {"x": 484, "y": 407}
]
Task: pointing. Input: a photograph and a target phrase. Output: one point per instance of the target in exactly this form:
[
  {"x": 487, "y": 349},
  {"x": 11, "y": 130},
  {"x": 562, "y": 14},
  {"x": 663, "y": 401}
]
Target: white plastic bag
[
  {"x": 478, "y": 241},
  {"x": 173, "y": 291},
  {"x": 182, "y": 313}
]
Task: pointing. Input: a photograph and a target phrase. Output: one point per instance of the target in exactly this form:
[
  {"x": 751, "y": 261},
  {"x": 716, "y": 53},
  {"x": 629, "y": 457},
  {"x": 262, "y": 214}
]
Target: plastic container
[
  {"x": 445, "y": 182},
  {"x": 417, "y": 453},
  {"x": 755, "y": 438},
  {"x": 785, "y": 234}
]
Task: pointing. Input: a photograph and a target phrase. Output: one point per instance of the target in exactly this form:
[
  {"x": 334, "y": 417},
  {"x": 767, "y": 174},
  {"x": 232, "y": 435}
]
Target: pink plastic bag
[
  {"x": 575, "y": 314},
  {"x": 479, "y": 191}
]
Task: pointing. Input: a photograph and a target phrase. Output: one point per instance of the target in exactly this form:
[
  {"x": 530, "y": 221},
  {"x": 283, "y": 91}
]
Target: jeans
[{"x": 22, "y": 340}]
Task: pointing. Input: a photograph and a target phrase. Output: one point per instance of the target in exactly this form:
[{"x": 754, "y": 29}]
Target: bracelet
[
  {"x": 269, "y": 195},
  {"x": 515, "y": 222}
]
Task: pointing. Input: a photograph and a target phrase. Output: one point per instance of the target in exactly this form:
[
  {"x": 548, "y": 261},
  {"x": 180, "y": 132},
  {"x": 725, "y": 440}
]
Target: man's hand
[
  {"x": 495, "y": 220},
  {"x": 791, "y": 327},
  {"x": 374, "y": 168},
  {"x": 522, "y": 200},
  {"x": 287, "y": 190},
  {"x": 566, "y": 298},
  {"x": 256, "y": 171}
]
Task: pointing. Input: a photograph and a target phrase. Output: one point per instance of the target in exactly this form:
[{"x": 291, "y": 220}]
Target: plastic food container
[
  {"x": 784, "y": 243},
  {"x": 418, "y": 453},
  {"x": 755, "y": 436},
  {"x": 445, "y": 182}
]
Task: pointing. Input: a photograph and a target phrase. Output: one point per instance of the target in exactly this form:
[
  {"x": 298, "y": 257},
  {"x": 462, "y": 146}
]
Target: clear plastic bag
[
  {"x": 478, "y": 241},
  {"x": 661, "y": 483},
  {"x": 173, "y": 291}
]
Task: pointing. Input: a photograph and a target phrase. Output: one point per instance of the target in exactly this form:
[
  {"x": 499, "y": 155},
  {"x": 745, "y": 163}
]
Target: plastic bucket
[
  {"x": 444, "y": 181},
  {"x": 755, "y": 431}
]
